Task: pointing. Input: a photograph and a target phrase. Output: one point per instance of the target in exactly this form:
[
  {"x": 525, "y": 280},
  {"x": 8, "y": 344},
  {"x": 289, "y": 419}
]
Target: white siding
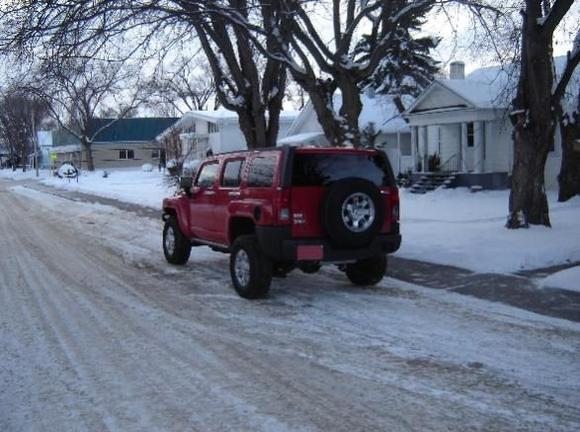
[
  {"x": 498, "y": 154},
  {"x": 450, "y": 141}
]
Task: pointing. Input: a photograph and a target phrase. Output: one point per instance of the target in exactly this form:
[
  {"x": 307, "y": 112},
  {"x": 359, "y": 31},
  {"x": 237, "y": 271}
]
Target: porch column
[
  {"x": 478, "y": 143},
  {"x": 463, "y": 148},
  {"x": 398, "y": 152},
  {"x": 414, "y": 148},
  {"x": 425, "y": 142}
]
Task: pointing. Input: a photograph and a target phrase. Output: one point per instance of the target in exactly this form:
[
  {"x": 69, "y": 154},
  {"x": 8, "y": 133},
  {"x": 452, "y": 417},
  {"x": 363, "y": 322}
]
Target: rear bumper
[{"x": 278, "y": 244}]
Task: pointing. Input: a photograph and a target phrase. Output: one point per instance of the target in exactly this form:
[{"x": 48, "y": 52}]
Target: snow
[
  {"x": 494, "y": 87},
  {"x": 19, "y": 174},
  {"x": 450, "y": 227},
  {"x": 464, "y": 229},
  {"x": 130, "y": 185},
  {"x": 146, "y": 355},
  {"x": 300, "y": 138},
  {"x": 568, "y": 279},
  {"x": 379, "y": 110}
]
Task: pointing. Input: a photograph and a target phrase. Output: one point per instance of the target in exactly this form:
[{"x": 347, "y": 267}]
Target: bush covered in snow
[{"x": 67, "y": 170}]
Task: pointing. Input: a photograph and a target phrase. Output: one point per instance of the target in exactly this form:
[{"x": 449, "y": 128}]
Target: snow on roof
[
  {"x": 71, "y": 148},
  {"x": 382, "y": 111},
  {"x": 377, "y": 109},
  {"x": 495, "y": 87},
  {"x": 227, "y": 115},
  {"x": 303, "y": 138}
]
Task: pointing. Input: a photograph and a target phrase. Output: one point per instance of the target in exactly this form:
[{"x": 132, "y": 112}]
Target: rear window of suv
[{"x": 320, "y": 169}]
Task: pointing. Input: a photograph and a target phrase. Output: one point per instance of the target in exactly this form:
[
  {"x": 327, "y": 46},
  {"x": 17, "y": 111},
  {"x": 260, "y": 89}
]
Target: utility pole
[{"x": 35, "y": 142}]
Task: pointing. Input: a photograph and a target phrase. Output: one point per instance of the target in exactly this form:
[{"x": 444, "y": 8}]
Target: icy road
[{"x": 98, "y": 333}]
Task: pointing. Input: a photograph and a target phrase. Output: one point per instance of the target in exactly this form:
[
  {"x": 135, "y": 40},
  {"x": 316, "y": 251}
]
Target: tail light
[
  {"x": 395, "y": 203},
  {"x": 282, "y": 206}
]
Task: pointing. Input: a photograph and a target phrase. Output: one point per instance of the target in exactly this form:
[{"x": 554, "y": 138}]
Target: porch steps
[{"x": 430, "y": 181}]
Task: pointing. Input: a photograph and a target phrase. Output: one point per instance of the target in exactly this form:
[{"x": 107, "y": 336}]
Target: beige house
[{"x": 124, "y": 143}]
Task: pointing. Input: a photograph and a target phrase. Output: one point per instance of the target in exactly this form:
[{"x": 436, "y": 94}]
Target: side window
[
  {"x": 470, "y": 135},
  {"x": 262, "y": 171},
  {"x": 126, "y": 154},
  {"x": 207, "y": 175},
  {"x": 232, "y": 173}
]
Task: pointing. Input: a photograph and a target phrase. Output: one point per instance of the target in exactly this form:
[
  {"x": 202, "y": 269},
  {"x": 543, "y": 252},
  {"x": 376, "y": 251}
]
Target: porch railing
[
  {"x": 451, "y": 164},
  {"x": 406, "y": 164}
]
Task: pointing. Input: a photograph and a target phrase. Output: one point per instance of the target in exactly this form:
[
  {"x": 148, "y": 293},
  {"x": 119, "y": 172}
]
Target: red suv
[{"x": 278, "y": 209}]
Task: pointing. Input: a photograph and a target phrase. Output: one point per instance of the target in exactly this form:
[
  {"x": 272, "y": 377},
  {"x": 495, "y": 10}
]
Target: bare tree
[
  {"x": 186, "y": 84},
  {"x": 78, "y": 90},
  {"x": 19, "y": 113},
  {"x": 256, "y": 96},
  {"x": 535, "y": 110},
  {"x": 77, "y": 27},
  {"x": 363, "y": 33}
]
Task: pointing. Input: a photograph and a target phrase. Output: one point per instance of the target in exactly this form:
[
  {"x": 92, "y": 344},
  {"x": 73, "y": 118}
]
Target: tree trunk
[
  {"x": 322, "y": 104},
  {"x": 350, "y": 110},
  {"x": 528, "y": 203},
  {"x": 534, "y": 125},
  {"x": 87, "y": 154},
  {"x": 253, "y": 128},
  {"x": 569, "y": 177},
  {"x": 341, "y": 129}
]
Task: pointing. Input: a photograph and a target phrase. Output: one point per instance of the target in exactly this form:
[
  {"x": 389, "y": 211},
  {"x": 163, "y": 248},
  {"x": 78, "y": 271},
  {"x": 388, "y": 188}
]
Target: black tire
[
  {"x": 334, "y": 204},
  {"x": 176, "y": 247},
  {"x": 251, "y": 274},
  {"x": 369, "y": 271}
]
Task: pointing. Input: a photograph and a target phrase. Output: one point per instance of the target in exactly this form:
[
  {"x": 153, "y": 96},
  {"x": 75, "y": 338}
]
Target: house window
[
  {"x": 155, "y": 154},
  {"x": 212, "y": 128},
  {"x": 126, "y": 154},
  {"x": 470, "y": 135}
]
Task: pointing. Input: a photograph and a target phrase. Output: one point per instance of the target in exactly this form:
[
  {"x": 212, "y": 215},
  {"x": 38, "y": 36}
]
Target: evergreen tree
[{"x": 407, "y": 68}]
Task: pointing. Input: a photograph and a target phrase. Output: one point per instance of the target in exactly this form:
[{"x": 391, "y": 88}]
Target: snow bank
[
  {"x": 459, "y": 228},
  {"x": 566, "y": 279},
  {"x": 130, "y": 185},
  {"x": 19, "y": 175}
]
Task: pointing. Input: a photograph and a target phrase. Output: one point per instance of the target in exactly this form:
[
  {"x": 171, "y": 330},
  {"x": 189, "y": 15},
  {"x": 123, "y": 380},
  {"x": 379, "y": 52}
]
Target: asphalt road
[{"x": 98, "y": 333}]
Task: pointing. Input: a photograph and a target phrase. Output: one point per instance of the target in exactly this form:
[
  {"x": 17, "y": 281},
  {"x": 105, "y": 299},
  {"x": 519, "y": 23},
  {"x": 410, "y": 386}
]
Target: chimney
[{"x": 457, "y": 70}]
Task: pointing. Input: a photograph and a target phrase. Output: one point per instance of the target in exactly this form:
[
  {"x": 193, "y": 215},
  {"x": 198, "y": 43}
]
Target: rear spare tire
[
  {"x": 352, "y": 212},
  {"x": 250, "y": 269},
  {"x": 368, "y": 271}
]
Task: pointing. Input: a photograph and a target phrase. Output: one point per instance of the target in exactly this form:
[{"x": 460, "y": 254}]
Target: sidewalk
[{"x": 518, "y": 290}]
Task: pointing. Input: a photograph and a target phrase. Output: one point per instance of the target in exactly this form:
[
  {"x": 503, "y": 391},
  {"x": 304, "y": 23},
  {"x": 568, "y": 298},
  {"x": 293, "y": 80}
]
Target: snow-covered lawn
[
  {"x": 460, "y": 228},
  {"x": 129, "y": 185},
  {"x": 451, "y": 227},
  {"x": 568, "y": 279}
]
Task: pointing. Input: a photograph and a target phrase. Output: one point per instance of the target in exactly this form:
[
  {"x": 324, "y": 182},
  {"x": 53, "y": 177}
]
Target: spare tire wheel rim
[
  {"x": 170, "y": 240},
  {"x": 242, "y": 267},
  {"x": 358, "y": 212}
]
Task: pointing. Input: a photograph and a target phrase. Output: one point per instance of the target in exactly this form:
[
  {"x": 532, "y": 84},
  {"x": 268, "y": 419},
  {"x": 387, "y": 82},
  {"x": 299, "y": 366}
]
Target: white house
[
  {"x": 464, "y": 120},
  {"x": 218, "y": 131},
  {"x": 394, "y": 135}
]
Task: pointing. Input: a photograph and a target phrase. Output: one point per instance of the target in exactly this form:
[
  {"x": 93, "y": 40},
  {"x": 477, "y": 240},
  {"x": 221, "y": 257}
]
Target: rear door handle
[
  {"x": 209, "y": 193},
  {"x": 234, "y": 194}
]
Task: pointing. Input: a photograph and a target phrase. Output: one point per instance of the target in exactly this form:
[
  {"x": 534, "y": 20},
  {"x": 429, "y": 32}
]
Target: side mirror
[{"x": 186, "y": 183}]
